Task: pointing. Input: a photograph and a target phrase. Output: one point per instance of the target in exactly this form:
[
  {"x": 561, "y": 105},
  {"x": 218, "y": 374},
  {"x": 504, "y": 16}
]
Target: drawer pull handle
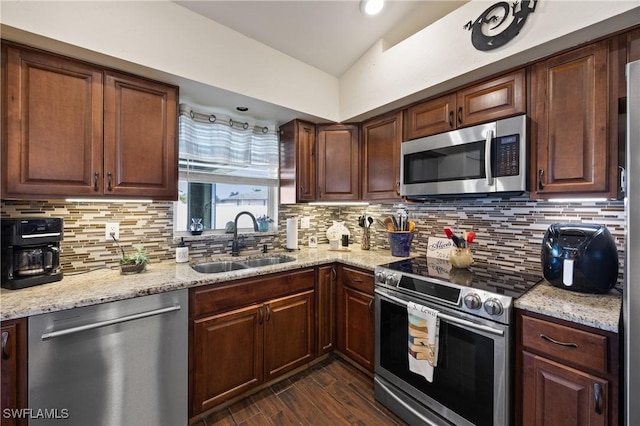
[
  {"x": 556, "y": 342},
  {"x": 109, "y": 179},
  {"x": 451, "y": 119},
  {"x": 5, "y": 337},
  {"x": 95, "y": 181},
  {"x": 260, "y": 315},
  {"x": 597, "y": 390},
  {"x": 356, "y": 280},
  {"x": 268, "y": 313}
]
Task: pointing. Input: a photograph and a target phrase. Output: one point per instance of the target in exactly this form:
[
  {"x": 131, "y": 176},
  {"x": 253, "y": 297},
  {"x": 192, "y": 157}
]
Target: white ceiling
[{"x": 328, "y": 34}]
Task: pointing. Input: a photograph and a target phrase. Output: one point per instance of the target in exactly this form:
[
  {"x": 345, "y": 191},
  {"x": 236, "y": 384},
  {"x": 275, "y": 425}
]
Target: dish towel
[{"x": 424, "y": 327}]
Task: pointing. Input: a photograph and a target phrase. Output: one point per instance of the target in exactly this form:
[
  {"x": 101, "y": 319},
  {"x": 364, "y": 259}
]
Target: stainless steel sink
[
  {"x": 265, "y": 261},
  {"x": 218, "y": 266}
]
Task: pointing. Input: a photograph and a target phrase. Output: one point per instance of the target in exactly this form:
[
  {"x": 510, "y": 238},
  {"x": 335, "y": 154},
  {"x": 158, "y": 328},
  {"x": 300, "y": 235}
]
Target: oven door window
[
  {"x": 458, "y": 162},
  {"x": 464, "y": 376}
]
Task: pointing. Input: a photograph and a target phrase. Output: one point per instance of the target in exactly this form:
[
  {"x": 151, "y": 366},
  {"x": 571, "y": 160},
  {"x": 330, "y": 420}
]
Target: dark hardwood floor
[{"x": 330, "y": 393}]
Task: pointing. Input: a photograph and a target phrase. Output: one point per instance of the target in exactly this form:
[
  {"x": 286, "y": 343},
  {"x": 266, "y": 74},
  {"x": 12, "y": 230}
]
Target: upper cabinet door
[
  {"x": 338, "y": 162},
  {"x": 140, "y": 153},
  {"x": 53, "y": 122},
  {"x": 430, "y": 117},
  {"x": 570, "y": 98},
  {"x": 381, "y": 140},
  {"x": 497, "y": 98},
  {"x": 297, "y": 162}
]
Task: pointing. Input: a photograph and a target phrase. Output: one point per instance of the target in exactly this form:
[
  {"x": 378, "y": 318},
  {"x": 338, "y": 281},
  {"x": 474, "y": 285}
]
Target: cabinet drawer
[
  {"x": 578, "y": 347},
  {"x": 357, "y": 279},
  {"x": 221, "y": 298}
]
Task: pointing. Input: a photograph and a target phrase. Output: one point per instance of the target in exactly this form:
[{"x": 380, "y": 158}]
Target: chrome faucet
[{"x": 235, "y": 248}]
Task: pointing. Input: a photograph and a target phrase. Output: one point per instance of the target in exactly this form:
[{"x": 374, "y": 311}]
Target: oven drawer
[{"x": 578, "y": 347}]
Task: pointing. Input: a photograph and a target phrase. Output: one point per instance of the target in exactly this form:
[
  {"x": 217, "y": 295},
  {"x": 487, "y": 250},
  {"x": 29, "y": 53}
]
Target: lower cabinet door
[
  {"x": 555, "y": 394},
  {"x": 358, "y": 328},
  {"x": 227, "y": 358},
  {"x": 289, "y": 333}
]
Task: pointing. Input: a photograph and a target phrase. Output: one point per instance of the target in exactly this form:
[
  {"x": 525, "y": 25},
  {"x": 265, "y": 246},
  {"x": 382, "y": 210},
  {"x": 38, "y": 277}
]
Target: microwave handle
[{"x": 487, "y": 157}]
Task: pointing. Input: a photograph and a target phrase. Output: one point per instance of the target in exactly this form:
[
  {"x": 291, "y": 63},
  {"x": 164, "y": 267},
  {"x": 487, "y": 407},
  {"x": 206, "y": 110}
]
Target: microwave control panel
[{"x": 507, "y": 156}]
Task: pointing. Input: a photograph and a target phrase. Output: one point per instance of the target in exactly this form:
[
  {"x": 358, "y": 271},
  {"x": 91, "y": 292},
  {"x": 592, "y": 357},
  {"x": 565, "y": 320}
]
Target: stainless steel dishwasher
[{"x": 120, "y": 363}]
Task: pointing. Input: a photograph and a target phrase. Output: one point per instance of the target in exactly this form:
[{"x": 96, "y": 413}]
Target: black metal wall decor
[{"x": 493, "y": 28}]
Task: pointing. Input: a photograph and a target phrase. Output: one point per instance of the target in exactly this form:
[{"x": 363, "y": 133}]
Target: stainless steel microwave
[{"x": 485, "y": 159}]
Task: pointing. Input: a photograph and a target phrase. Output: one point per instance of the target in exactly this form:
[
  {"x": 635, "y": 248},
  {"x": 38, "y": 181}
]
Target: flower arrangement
[{"x": 463, "y": 240}]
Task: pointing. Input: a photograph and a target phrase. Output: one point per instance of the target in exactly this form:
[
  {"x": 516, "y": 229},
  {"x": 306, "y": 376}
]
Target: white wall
[
  {"x": 164, "y": 36},
  {"x": 442, "y": 57}
]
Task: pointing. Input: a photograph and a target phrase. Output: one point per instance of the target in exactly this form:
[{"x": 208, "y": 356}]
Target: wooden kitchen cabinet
[
  {"x": 14, "y": 370},
  {"x": 381, "y": 141},
  {"x": 356, "y": 330},
  {"x": 297, "y": 162},
  {"x": 326, "y": 283},
  {"x": 77, "y": 129},
  {"x": 499, "y": 97},
  {"x": 568, "y": 374},
  {"x": 338, "y": 153},
  {"x": 248, "y": 332},
  {"x": 571, "y": 146}
]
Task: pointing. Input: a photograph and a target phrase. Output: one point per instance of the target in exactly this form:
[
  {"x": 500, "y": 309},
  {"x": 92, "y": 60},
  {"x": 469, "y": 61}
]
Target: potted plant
[
  {"x": 134, "y": 263},
  {"x": 263, "y": 223}
]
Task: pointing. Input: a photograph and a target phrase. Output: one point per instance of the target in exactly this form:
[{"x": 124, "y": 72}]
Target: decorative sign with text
[
  {"x": 500, "y": 23},
  {"x": 439, "y": 248}
]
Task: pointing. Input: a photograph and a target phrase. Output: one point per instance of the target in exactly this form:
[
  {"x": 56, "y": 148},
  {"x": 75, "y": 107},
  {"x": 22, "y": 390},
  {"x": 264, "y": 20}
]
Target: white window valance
[{"x": 219, "y": 143}]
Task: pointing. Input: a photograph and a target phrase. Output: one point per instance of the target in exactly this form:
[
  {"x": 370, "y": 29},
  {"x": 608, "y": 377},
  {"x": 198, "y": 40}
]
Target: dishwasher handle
[{"x": 99, "y": 324}]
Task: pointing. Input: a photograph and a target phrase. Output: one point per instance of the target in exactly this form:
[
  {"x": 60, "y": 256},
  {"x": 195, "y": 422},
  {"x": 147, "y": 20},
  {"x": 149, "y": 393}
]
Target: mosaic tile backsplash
[{"x": 509, "y": 231}]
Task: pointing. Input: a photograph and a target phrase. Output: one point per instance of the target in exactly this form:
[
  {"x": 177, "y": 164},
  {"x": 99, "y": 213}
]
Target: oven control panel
[{"x": 482, "y": 303}]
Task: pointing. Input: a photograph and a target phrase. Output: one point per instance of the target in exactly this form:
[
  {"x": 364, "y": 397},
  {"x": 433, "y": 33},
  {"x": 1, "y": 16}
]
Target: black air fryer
[{"x": 580, "y": 257}]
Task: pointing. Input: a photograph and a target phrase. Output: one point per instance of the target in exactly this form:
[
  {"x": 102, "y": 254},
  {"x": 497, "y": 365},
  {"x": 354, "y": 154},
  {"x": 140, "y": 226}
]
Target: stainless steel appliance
[
  {"x": 472, "y": 383},
  {"x": 118, "y": 363},
  {"x": 479, "y": 160},
  {"x": 580, "y": 257},
  {"x": 631, "y": 295},
  {"x": 31, "y": 251}
]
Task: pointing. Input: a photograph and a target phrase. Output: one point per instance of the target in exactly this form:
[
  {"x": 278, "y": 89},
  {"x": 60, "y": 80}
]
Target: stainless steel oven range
[{"x": 472, "y": 381}]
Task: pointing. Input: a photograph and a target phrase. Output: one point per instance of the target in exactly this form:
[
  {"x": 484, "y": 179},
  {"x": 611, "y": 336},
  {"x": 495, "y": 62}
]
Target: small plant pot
[{"x": 132, "y": 268}]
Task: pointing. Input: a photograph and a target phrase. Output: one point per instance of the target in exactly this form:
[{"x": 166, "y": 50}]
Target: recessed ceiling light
[
  {"x": 371, "y": 7},
  {"x": 242, "y": 109}
]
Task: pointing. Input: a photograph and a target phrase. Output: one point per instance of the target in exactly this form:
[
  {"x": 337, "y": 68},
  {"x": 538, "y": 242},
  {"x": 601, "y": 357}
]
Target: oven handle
[{"x": 448, "y": 318}]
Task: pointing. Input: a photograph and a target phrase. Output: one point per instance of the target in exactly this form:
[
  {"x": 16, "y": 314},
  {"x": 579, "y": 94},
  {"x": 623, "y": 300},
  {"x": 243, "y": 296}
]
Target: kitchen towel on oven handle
[{"x": 424, "y": 327}]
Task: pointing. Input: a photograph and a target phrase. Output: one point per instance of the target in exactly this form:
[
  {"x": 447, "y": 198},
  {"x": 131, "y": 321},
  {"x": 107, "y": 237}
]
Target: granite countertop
[
  {"x": 600, "y": 311},
  {"x": 108, "y": 285}
]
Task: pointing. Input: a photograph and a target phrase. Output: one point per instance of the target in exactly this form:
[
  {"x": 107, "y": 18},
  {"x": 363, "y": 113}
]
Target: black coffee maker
[
  {"x": 580, "y": 257},
  {"x": 31, "y": 251}
]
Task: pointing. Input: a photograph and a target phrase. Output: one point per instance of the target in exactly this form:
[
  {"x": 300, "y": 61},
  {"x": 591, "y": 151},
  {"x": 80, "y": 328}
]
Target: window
[{"x": 226, "y": 166}]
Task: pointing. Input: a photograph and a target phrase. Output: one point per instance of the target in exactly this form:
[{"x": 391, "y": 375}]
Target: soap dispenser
[{"x": 182, "y": 252}]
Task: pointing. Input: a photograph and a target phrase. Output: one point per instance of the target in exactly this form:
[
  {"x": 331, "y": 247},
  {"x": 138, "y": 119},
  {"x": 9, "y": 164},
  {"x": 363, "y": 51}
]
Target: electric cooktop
[{"x": 487, "y": 277}]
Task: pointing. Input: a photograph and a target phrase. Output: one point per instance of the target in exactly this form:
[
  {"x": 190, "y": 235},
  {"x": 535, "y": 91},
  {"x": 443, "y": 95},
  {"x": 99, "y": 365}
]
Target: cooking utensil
[
  {"x": 388, "y": 223},
  {"x": 370, "y": 220}
]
